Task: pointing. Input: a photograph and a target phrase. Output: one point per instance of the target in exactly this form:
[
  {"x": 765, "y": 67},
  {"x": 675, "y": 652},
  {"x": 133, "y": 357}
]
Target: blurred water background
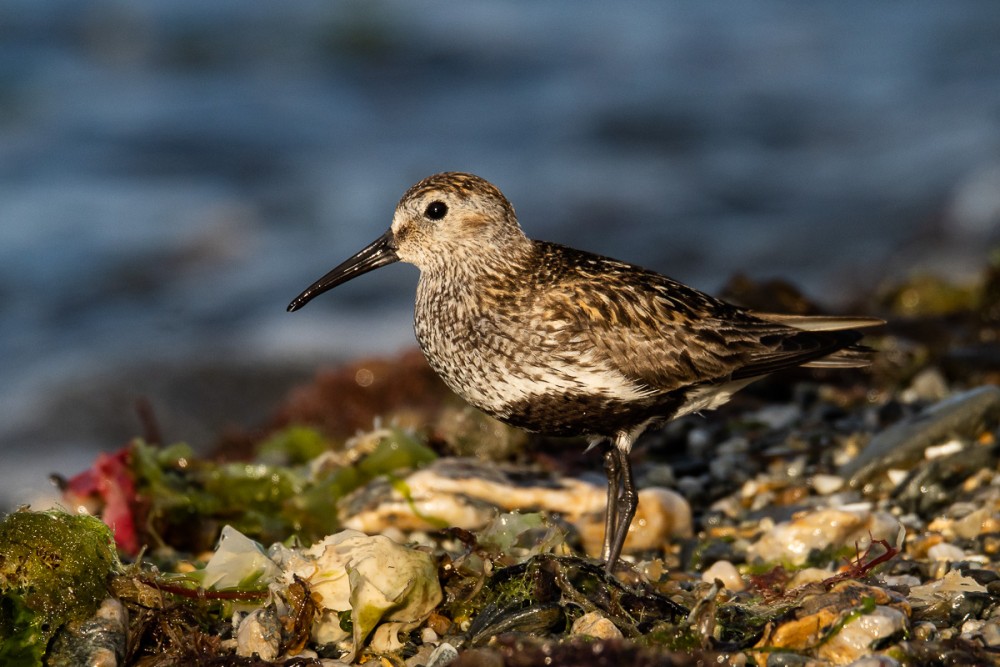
[{"x": 173, "y": 172}]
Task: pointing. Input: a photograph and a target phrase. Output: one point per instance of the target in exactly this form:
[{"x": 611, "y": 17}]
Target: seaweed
[{"x": 54, "y": 569}]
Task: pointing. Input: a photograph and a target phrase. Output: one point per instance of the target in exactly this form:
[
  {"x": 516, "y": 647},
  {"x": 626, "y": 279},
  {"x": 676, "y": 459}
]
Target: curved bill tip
[{"x": 378, "y": 253}]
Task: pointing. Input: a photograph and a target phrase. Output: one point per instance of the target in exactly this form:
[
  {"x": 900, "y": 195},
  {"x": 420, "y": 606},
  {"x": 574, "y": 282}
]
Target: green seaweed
[
  {"x": 54, "y": 569},
  {"x": 295, "y": 445},
  {"x": 188, "y": 499}
]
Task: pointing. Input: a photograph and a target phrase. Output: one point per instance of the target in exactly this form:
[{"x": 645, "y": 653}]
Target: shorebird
[{"x": 563, "y": 342}]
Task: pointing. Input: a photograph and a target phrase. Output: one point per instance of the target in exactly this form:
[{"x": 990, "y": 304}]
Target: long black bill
[{"x": 378, "y": 253}]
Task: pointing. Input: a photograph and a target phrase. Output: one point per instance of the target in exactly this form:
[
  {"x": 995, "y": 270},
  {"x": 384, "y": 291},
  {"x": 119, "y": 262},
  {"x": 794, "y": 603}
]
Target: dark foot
[
  {"x": 613, "y": 470},
  {"x": 624, "y": 509}
]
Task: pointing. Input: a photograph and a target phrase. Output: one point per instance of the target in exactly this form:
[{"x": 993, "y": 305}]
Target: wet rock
[
  {"x": 442, "y": 656},
  {"x": 899, "y": 446},
  {"x": 841, "y": 625},
  {"x": 533, "y": 598},
  {"x": 990, "y": 633},
  {"x": 931, "y": 485},
  {"x": 864, "y": 633},
  {"x": 952, "y": 598},
  {"x": 593, "y": 624},
  {"x": 98, "y": 642},
  {"x": 819, "y": 530}
]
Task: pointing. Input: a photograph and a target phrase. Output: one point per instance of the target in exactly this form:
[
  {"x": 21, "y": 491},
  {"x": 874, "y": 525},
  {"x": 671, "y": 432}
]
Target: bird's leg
[
  {"x": 625, "y": 503},
  {"x": 613, "y": 471}
]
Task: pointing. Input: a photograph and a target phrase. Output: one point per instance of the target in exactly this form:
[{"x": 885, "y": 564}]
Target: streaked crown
[{"x": 450, "y": 214}]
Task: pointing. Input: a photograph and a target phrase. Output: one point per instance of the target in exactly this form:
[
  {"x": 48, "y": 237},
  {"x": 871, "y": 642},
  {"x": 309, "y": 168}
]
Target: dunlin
[{"x": 564, "y": 342}]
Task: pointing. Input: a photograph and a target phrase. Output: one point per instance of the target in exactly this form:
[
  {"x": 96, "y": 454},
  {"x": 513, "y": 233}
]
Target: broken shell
[{"x": 259, "y": 632}]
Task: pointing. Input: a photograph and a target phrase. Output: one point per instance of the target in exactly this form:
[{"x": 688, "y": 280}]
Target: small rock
[
  {"x": 949, "y": 599},
  {"x": 975, "y": 523},
  {"x": 775, "y": 416},
  {"x": 924, "y": 631},
  {"x": 725, "y": 572},
  {"x": 97, "y": 642},
  {"x": 827, "y": 484},
  {"x": 859, "y": 636},
  {"x": 875, "y": 661},
  {"x": 792, "y": 541},
  {"x": 928, "y": 385},
  {"x": 806, "y": 576},
  {"x": 946, "y": 552},
  {"x": 593, "y": 624},
  {"x": 442, "y": 656},
  {"x": 990, "y": 632}
]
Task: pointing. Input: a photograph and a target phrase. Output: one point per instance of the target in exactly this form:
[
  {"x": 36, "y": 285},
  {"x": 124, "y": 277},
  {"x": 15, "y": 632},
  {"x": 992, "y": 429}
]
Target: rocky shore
[{"x": 820, "y": 518}]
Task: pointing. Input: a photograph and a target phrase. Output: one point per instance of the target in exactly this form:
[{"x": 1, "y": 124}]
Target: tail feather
[
  {"x": 811, "y": 341},
  {"x": 856, "y": 356},
  {"x": 821, "y": 322}
]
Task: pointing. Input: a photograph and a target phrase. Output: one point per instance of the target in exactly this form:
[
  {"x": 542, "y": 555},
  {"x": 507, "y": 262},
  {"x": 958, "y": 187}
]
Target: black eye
[{"x": 436, "y": 210}]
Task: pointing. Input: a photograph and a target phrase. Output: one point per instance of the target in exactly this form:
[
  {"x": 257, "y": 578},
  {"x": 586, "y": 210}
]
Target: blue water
[{"x": 173, "y": 172}]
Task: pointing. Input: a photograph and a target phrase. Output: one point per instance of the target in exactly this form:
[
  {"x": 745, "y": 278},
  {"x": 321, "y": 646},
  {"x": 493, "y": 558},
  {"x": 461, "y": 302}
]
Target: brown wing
[{"x": 666, "y": 335}]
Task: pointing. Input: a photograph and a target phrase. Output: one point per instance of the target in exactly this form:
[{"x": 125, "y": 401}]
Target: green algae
[
  {"x": 294, "y": 445},
  {"x": 186, "y": 500},
  {"x": 54, "y": 569}
]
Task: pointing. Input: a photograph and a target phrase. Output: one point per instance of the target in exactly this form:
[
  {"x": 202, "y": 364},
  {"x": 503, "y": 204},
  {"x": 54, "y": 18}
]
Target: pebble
[
  {"x": 945, "y": 552},
  {"x": 924, "y": 631},
  {"x": 875, "y": 661},
  {"x": 859, "y": 636},
  {"x": 977, "y": 522},
  {"x": 990, "y": 632},
  {"x": 928, "y": 385},
  {"x": 827, "y": 484},
  {"x": 593, "y": 624},
  {"x": 952, "y": 598},
  {"x": 443, "y": 655},
  {"x": 775, "y": 416},
  {"x": 725, "y": 572}
]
